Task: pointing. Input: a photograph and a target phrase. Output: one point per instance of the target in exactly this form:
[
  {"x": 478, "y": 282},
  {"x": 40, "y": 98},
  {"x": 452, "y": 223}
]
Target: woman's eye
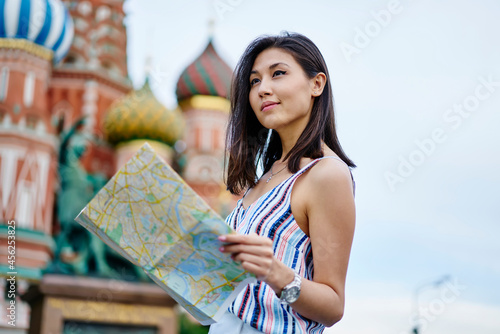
[
  {"x": 253, "y": 81},
  {"x": 276, "y": 73}
]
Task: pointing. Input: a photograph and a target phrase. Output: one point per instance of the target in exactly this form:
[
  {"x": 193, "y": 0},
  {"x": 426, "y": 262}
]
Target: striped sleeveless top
[{"x": 271, "y": 216}]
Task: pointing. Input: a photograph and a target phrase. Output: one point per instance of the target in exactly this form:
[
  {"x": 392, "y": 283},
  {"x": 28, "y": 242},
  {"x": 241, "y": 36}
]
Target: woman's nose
[{"x": 264, "y": 87}]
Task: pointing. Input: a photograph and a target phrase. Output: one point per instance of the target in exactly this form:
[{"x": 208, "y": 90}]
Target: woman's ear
[{"x": 318, "y": 84}]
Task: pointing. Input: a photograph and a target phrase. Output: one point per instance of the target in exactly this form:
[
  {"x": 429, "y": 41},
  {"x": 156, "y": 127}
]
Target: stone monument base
[{"x": 70, "y": 305}]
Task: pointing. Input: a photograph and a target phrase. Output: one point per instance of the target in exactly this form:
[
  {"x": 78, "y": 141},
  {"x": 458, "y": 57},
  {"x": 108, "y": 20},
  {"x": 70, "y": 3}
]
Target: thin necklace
[{"x": 272, "y": 174}]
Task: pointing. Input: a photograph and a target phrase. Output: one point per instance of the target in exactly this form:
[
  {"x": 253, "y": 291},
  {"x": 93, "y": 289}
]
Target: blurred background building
[{"x": 69, "y": 118}]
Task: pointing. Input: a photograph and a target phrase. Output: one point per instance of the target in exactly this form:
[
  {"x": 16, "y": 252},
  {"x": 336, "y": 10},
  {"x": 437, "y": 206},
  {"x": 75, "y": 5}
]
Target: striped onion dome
[
  {"x": 44, "y": 22},
  {"x": 207, "y": 75},
  {"x": 139, "y": 115}
]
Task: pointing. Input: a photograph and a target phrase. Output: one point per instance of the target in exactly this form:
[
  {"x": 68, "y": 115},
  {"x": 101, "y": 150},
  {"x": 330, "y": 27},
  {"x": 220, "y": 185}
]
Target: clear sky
[{"x": 417, "y": 97}]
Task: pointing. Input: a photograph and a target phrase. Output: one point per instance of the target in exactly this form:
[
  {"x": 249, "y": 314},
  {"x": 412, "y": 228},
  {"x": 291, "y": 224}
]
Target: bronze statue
[{"x": 79, "y": 252}]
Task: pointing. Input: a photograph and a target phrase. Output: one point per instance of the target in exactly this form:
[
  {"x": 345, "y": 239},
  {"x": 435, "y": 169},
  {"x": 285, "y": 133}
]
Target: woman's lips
[{"x": 268, "y": 106}]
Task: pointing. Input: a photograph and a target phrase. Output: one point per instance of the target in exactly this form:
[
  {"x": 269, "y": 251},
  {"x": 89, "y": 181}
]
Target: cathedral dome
[
  {"x": 44, "y": 22},
  {"x": 139, "y": 115},
  {"x": 207, "y": 75}
]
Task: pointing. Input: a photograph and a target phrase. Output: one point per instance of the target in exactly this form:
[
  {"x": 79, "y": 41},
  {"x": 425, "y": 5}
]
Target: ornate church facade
[{"x": 63, "y": 62}]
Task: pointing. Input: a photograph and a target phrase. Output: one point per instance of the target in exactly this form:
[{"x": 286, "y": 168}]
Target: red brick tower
[{"x": 93, "y": 75}]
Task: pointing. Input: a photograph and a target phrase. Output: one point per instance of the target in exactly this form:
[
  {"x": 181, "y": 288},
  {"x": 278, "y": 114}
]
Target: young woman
[{"x": 296, "y": 242}]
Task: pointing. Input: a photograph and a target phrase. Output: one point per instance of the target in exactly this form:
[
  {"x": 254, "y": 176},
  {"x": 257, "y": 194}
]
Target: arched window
[
  {"x": 70, "y": 59},
  {"x": 31, "y": 122},
  {"x": 62, "y": 115},
  {"x": 29, "y": 89},
  {"x": 4, "y": 83}
]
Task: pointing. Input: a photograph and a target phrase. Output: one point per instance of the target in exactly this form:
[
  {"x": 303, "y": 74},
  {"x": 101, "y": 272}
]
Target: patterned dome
[
  {"x": 207, "y": 75},
  {"x": 44, "y": 22},
  {"x": 139, "y": 115}
]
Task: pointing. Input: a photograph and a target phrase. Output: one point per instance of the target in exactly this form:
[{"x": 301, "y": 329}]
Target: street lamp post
[{"x": 418, "y": 290}]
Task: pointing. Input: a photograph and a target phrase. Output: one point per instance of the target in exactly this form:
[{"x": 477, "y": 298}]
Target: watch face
[{"x": 292, "y": 294}]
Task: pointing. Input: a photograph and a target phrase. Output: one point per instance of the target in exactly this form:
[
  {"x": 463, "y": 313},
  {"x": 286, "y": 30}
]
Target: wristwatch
[{"x": 291, "y": 291}]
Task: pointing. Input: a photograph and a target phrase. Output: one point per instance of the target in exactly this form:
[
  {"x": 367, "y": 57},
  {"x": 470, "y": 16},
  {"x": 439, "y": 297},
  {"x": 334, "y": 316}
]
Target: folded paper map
[{"x": 149, "y": 215}]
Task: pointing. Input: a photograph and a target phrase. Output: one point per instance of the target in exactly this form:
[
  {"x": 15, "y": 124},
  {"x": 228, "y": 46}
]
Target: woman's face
[{"x": 281, "y": 94}]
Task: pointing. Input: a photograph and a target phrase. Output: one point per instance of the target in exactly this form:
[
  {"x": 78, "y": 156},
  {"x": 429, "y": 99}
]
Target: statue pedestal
[{"x": 70, "y": 304}]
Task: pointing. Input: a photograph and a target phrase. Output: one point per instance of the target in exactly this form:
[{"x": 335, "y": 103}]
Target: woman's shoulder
[
  {"x": 326, "y": 182},
  {"x": 329, "y": 173}
]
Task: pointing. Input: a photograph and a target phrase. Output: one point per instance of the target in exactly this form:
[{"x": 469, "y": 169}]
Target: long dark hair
[{"x": 247, "y": 141}]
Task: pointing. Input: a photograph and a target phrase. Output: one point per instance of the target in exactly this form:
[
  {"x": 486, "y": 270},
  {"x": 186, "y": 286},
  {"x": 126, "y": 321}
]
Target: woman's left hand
[
  {"x": 253, "y": 251},
  {"x": 256, "y": 256}
]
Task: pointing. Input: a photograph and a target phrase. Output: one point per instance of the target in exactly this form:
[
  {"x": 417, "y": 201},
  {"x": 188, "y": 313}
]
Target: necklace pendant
[{"x": 269, "y": 179}]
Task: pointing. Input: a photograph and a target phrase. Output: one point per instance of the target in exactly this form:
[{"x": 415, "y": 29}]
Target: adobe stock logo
[
  {"x": 222, "y": 7},
  {"x": 454, "y": 117}
]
